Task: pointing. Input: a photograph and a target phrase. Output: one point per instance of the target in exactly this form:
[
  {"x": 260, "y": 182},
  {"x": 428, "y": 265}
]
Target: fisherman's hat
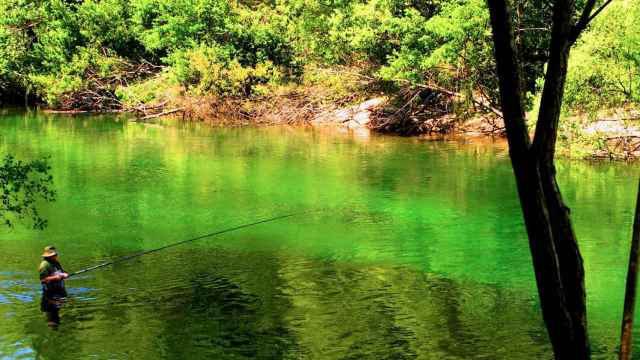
[{"x": 49, "y": 251}]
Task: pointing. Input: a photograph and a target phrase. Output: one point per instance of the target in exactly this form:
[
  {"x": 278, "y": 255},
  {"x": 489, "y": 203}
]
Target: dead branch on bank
[
  {"x": 620, "y": 119},
  {"x": 164, "y": 113},
  {"x": 296, "y": 107},
  {"x": 423, "y": 111},
  {"x": 624, "y": 147},
  {"x": 478, "y": 100},
  {"x": 433, "y": 109},
  {"x": 144, "y": 110},
  {"x": 430, "y": 110},
  {"x": 481, "y": 101},
  {"x": 98, "y": 94},
  {"x": 76, "y": 112}
]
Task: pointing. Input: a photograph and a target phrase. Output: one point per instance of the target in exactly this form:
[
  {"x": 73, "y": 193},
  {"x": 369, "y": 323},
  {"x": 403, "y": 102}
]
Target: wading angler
[{"x": 52, "y": 277}]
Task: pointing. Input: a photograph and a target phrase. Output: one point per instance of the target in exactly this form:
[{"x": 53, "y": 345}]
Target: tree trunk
[
  {"x": 630, "y": 292},
  {"x": 556, "y": 259},
  {"x": 571, "y": 268}
]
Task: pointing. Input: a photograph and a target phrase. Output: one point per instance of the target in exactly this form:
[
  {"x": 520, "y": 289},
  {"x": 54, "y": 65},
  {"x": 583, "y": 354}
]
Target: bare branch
[
  {"x": 478, "y": 101},
  {"x": 164, "y": 113},
  {"x": 534, "y": 29},
  {"x": 599, "y": 10},
  {"x": 586, "y": 13},
  {"x": 586, "y": 18}
]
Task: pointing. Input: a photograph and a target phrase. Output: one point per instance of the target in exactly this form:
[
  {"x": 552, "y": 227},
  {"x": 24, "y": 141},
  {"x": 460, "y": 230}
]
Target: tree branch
[
  {"x": 586, "y": 18},
  {"x": 481, "y": 102},
  {"x": 565, "y": 322},
  {"x": 164, "y": 113},
  {"x": 546, "y": 131},
  {"x": 544, "y": 143},
  {"x": 586, "y": 13},
  {"x": 599, "y": 10}
]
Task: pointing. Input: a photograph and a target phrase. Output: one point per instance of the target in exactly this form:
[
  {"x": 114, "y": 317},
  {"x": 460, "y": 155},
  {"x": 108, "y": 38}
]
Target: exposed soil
[{"x": 433, "y": 114}]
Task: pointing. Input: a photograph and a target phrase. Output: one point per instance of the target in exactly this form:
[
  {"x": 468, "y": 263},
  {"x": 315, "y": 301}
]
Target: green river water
[{"x": 416, "y": 250}]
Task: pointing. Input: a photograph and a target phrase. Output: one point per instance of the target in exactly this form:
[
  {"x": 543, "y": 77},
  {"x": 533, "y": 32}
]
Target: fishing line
[{"x": 136, "y": 255}]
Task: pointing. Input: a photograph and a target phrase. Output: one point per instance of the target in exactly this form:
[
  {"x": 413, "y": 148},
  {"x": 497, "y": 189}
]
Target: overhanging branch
[
  {"x": 599, "y": 10},
  {"x": 586, "y": 18}
]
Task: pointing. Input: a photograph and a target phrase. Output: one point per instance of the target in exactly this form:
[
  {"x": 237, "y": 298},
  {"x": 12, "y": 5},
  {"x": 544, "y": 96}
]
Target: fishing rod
[{"x": 136, "y": 255}]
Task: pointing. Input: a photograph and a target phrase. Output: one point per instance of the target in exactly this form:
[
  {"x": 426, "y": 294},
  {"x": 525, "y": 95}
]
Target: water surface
[{"x": 414, "y": 249}]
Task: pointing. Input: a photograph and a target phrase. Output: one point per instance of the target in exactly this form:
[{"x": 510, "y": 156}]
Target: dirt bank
[{"x": 615, "y": 137}]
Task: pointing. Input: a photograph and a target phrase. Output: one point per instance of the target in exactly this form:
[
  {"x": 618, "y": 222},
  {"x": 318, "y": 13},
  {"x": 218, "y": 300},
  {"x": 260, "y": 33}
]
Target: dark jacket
[{"x": 52, "y": 288}]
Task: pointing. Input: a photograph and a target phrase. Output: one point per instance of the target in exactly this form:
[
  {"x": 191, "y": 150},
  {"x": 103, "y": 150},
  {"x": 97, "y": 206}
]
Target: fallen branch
[
  {"x": 144, "y": 109},
  {"x": 482, "y": 102},
  {"x": 73, "y": 112},
  {"x": 623, "y": 137},
  {"x": 164, "y": 113},
  {"x": 621, "y": 119}
]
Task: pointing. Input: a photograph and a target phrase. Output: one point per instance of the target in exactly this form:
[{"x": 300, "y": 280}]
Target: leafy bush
[
  {"x": 52, "y": 50},
  {"x": 604, "y": 68},
  {"x": 166, "y": 25},
  {"x": 212, "y": 70}
]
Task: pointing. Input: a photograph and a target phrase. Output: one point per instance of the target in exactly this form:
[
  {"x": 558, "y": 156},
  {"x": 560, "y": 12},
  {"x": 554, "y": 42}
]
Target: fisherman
[{"x": 52, "y": 277}]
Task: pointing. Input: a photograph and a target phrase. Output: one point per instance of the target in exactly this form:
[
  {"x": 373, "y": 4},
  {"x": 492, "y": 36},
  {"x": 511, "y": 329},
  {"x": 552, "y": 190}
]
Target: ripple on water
[
  {"x": 4, "y": 300},
  {"x": 17, "y": 351},
  {"x": 416, "y": 253}
]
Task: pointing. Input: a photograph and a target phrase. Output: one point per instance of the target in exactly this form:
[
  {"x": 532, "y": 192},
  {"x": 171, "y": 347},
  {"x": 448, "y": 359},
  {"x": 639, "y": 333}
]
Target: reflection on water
[
  {"x": 265, "y": 306},
  {"x": 418, "y": 250}
]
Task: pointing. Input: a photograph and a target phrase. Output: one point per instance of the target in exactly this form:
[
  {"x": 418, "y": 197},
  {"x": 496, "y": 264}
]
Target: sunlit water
[{"x": 413, "y": 248}]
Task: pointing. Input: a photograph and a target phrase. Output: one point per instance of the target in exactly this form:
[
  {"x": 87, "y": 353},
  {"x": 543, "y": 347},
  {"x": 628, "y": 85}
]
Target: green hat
[{"x": 49, "y": 251}]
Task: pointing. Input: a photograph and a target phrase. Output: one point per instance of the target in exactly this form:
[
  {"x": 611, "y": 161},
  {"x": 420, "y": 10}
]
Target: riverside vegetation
[
  {"x": 286, "y": 61},
  {"x": 434, "y": 88}
]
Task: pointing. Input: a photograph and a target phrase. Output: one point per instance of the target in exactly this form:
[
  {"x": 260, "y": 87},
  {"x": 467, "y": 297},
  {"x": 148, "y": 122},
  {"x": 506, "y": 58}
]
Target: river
[{"x": 412, "y": 249}]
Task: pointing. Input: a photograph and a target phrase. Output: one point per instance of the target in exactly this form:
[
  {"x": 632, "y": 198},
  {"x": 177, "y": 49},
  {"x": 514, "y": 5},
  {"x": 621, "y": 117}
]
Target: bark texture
[
  {"x": 556, "y": 257},
  {"x": 630, "y": 291}
]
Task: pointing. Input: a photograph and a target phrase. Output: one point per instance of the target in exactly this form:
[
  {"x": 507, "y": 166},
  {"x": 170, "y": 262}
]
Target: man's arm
[
  {"x": 53, "y": 278},
  {"x": 46, "y": 276}
]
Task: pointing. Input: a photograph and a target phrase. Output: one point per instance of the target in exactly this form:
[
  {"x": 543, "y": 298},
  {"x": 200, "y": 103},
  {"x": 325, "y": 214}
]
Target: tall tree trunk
[
  {"x": 630, "y": 292},
  {"x": 566, "y": 245},
  {"x": 556, "y": 259}
]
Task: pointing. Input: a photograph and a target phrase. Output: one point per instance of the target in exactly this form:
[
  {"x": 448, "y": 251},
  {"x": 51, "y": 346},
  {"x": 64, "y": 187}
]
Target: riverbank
[
  {"x": 348, "y": 98},
  {"x": 238, "y": 63},
  {"x": 612, "y": 135},
  {"x": 336, "y": 96},
  {"x": 359, "y": 106}
]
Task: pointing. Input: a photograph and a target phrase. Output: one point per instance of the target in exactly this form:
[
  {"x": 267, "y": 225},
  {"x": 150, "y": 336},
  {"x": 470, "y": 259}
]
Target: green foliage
[
  {"x": 166, "y": 25},
  {"x": 452, "y": 49},
  {"x": 443, "y": 43},
  {"x": 90, "y": 70},
  {"x": 605, "y": 66},
  {"x": 21, "y": 23},
  {"x": 108, "y": 24},
  {"x": 22, "y": 184},
  {"x": 212, "y": 69},
  {"x": 56, "y": 51}
]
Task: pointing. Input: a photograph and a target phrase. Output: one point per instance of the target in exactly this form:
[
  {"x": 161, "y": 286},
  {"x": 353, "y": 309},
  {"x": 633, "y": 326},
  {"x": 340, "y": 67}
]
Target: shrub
[
  {"x": 604, "y": 70},
  {"x": 212, "y": 70}
]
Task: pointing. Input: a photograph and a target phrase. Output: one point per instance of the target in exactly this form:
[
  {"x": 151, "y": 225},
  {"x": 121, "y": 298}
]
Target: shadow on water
[
  {"x": 203, "y": 304},
  {"x": 421, "y": 252}
]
